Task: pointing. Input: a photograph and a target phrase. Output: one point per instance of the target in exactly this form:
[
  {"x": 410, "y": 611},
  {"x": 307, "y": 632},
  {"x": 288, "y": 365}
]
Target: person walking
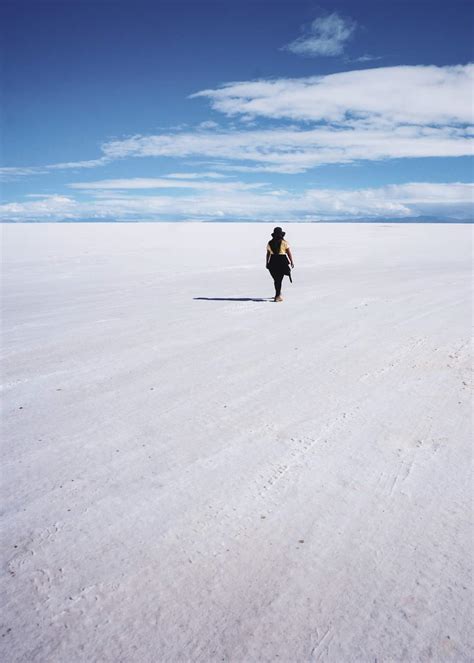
[{"x": 278, "y": 260}]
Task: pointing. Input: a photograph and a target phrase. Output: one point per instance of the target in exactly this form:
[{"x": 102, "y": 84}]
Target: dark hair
[{"x": 275, "y": 244}]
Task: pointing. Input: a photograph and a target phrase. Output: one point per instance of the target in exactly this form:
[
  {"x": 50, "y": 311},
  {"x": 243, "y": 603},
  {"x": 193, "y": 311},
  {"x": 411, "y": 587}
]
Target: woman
[{"x": 278, "y": 260}]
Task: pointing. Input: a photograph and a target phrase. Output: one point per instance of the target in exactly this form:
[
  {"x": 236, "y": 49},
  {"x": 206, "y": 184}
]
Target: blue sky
[{"x": 236, "y": 110}]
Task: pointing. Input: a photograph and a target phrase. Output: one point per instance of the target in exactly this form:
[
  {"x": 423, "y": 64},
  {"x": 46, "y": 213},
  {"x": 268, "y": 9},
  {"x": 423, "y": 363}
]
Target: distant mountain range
[{"x": 407, "y": 219}]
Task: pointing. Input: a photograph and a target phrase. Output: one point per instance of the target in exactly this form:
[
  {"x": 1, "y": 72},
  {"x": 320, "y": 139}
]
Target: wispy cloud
[
  {"x": 404, "y": 94},
  {"x": 12, "y": 173},
  {"x": 365, "y": 58},
  {"x": 326, "y": 35},
  {"x": 165, "y": 183},
  {"x": 295, "y": 151},
  {"x": 394, "y": 201},
  {"x": 372, "y": 114},
  {"x": 208, "y": 124},
  {"x": 72, "y": 165},
  {"x": 194, "y": 176}
]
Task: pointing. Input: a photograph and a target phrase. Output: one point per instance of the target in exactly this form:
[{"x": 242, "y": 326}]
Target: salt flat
[{"x": 195, "y": 473}]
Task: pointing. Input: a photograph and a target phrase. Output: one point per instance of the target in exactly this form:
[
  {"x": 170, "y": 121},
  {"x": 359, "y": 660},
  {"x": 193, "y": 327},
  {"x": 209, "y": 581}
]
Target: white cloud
[
  {"x": 392, "y": 201},
  {"x": 326, "y": 35},
  {"x": 365, "y": 58},
  {"x": 293, "y": 151},
  {"x": 208, "y": 124},
  {"x": 164, "y": 183},
  {"x": 194, "y": 176},
  {"x": 12, "y": 172},
  {"x": 46, "y": 207},
  {"x": 395, "y": 95},
  {"x": 373, "y": 114},
  {"x": 70, "y": 165}
]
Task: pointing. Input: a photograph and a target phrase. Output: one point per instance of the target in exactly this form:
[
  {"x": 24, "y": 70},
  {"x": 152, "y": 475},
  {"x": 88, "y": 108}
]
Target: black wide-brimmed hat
[{"x": 278, "y": 233}]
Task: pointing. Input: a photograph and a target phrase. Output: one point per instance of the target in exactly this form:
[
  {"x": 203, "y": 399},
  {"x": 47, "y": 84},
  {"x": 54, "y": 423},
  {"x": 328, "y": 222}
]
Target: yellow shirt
[{"x": 283, "y": 247}]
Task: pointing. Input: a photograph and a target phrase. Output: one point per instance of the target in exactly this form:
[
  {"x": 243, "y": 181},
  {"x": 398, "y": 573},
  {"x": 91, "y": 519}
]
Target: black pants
[
  {"x": 277, "y": 279},
  {"x": 278, "y": 268}
]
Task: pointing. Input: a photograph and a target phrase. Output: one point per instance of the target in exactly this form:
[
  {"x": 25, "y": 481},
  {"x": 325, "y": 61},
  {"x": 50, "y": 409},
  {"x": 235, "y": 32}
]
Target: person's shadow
[{"x": 232, "y": 299}]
